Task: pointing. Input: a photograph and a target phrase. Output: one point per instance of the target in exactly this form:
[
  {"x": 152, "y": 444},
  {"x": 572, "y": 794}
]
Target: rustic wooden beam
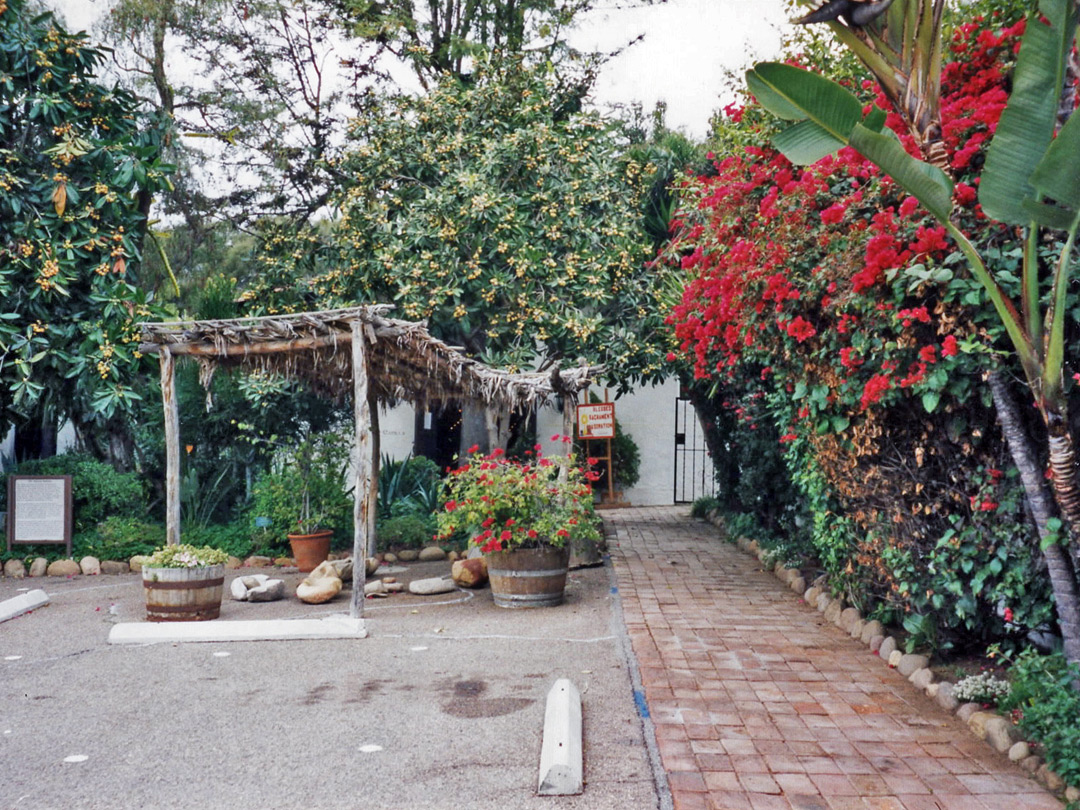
[
  {"x": 172, "y": 447},
  {"x": 362, "y": 417},
  {"x": 254, "y": 347}
]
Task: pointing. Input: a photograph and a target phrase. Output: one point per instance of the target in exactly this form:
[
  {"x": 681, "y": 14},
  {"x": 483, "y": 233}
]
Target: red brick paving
[{"x": 759, "y": 704}]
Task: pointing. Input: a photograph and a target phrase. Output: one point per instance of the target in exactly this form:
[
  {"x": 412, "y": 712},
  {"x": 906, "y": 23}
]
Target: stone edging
[{"x": 996, "y": 730}]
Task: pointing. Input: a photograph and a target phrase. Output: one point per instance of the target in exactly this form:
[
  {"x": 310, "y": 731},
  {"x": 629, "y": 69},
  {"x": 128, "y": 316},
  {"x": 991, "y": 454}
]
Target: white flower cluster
[
  {"x": 981, "y": 688},
  {"x": 185, "y": 556}
]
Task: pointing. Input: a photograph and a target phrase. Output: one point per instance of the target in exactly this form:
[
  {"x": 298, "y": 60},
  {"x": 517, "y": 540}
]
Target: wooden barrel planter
[
  {"x": 310, "y": 549},
  {"x": 183, "y": 594},
  {"x": 528, "y": 577}
]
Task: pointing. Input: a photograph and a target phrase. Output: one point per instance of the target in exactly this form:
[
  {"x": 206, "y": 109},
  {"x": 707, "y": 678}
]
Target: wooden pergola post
[
  {"x": 373, "y": 476},
  {"x": 172, "y": 446},
  {"x": 361, "y": 501},
  {"x": 569, "y": 408}
]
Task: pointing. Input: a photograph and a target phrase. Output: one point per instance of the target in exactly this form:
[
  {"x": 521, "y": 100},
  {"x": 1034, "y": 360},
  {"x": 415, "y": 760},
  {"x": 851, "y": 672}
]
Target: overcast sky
[{"x": 687, "y": 47}]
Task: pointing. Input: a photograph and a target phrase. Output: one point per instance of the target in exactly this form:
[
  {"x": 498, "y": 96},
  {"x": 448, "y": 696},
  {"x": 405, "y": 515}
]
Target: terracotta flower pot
[{"x": 310, "y": 549}]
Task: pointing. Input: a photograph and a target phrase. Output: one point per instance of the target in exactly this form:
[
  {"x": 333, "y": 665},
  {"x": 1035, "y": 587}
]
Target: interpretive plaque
[{"x": 39, "y": 510}]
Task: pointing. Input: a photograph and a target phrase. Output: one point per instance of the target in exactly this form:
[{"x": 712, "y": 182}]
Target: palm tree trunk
[{"x": 1059, "y": 563}]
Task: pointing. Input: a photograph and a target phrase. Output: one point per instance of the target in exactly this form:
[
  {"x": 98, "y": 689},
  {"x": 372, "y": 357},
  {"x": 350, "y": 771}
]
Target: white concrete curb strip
[
  {"x": 267, "y": 630},
  {"x": 23, "y": 603},
  {"x": 561, "y": 754}
]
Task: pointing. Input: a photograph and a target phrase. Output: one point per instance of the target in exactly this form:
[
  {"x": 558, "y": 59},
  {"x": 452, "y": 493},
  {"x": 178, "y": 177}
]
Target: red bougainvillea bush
[{"x": 825, "y": 304}]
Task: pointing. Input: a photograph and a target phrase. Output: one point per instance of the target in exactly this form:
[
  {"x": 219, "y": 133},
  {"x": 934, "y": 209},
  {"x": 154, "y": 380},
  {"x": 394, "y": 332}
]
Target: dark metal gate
[{"x": 694, "y": 477}]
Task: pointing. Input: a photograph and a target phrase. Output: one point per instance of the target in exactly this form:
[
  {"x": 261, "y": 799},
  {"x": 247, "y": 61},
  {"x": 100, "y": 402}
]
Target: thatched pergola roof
[
  {"x": 357, "y": 351},
  {"x": 405, "y": 362}
]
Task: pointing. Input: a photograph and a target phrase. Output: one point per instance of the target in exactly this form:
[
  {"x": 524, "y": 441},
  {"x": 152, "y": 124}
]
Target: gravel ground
[{"x": 441, "y": 707}]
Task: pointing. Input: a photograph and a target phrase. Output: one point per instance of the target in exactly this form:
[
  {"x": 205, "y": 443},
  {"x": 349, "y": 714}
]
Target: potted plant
[
  {"x": 183, "y": 583},
  {"x": 303, "y": 496},
  {"x": 522, "y": 515}
]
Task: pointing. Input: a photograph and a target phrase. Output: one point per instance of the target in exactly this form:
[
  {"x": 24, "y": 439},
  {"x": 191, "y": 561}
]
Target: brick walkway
[{"x": 759, "y": 704}]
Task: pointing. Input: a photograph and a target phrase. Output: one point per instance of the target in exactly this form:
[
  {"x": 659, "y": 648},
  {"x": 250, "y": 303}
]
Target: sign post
[
  {"x": 596, "y": 422},
  {"x": 39, "y": 510}
]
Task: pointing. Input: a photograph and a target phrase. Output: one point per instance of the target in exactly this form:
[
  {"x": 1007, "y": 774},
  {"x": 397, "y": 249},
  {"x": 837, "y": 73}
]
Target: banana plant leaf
[
  {"x": 1027, "y": 125},
  {"x": 928, "y": 184}
]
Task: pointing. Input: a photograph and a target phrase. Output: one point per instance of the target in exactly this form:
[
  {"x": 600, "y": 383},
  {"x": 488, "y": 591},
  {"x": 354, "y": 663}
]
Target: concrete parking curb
[
  {"x": 561, "y": 765},
  {"x": 330, "y": 627},
  {"x": 23, "y": 603}
]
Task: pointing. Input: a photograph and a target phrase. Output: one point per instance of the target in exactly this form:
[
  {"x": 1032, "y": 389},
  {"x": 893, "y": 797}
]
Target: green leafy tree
[
  {"x": 78, "y": 164},
  {"x": 264, "y": 107},
  {"x": 496, "y": 211},
  {"x": 444, "y": 37}
]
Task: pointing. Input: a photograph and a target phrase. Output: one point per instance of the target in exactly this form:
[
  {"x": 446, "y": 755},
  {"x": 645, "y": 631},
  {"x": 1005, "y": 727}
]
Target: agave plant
[{"x": 1031, "y": 179}]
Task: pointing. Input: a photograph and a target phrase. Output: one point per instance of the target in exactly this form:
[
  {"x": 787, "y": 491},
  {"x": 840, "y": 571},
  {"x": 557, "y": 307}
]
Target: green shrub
[
  {"x": 119, "y": 538},
  {"x": 702, "y": 506},
  {"x": 98, "y": 490},
  {"x": 410, "y": 486},
  {"x": 314, "y": 467},
  {"x": 232, "y": 538},
  {"x": 412, "y": 531},
  {"x": 1046, "y": 705}
]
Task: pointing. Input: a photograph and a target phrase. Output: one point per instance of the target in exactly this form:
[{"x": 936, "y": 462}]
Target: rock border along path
[{"x": 760, "y": 704}]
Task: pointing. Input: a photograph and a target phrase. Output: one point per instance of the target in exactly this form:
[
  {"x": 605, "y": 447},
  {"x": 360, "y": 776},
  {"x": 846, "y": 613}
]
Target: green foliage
[
  {"x": 922, "y": 633},
  {"x": 233, "y": 538},
  {"x": 1045, "y": 703},
  {"x": 448, "y": 35},
  {"x": 409, "y": 486},
  {"x": 119, "y": 538},
  {"x": 304, "y": 489},
  {"x": 227, "y": 446},
  {"x": 78, "y": 166},
  {"x": 407, "y": 530},
  {"x": 98, "y": 491},
  {"x": 702, "y": 506},
  {"x": 486, "y": 207}
]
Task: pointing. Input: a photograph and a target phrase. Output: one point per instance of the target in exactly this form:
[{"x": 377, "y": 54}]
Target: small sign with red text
[{"x": 596, "y": 421}]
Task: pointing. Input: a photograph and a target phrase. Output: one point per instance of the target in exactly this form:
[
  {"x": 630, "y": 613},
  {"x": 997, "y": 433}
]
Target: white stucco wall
[{"x": 647, "y": 415}]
